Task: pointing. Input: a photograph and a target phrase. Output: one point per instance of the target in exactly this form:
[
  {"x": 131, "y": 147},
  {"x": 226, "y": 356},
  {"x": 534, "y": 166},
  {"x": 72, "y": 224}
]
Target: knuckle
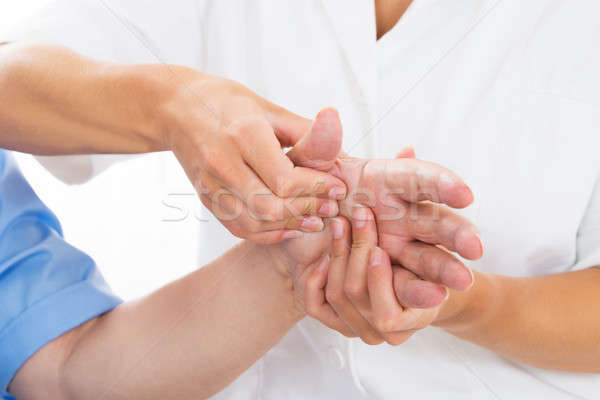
[
  {"x": 284, "y": 187},
  {"x": 354, "y": 289},
  {"x": 312, "y": 309},
  {"x": 211, "y": 160},
  {"x": 266, "y": 210},
  {"x": 349, "y": 334},
  {"x": 251, "y": 225},
  {"x": 360, "y": 243},
  {"x": 386, "y": 323},
  {"x": 334, "y": 296},
  {"x": 372, "y": 339},
  {"x": 245, "y": 128},
  {"x": 397, "y": 340}
]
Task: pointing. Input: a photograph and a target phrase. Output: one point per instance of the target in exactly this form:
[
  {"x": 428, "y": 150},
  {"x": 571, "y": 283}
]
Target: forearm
[
  {"x": 54, "y": 101},
  {"x": 549, "y": 322},
  {"x": 187, "y": 340}
]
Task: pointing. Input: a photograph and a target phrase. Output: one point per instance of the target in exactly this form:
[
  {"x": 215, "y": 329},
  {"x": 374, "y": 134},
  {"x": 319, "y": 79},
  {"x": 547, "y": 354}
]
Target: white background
[{"x": 119, "y": 217}]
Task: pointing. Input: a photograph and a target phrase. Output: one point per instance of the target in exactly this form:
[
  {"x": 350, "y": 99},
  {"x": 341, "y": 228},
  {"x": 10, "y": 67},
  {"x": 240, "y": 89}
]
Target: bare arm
[
  {"x": 187, "y": 340},
  {"x": 227, "y": 138},
  {"x": 549, "y": 322},
  {"x": 53, "y": 101}
]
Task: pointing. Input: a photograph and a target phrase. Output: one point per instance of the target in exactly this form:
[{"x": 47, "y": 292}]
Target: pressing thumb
[{"x": 320, "y": 147}]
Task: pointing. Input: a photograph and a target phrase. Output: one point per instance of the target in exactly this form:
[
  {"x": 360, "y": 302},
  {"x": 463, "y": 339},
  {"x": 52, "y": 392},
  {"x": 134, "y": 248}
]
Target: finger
[
  {"x": 431, "y": 223},
  {"x": 231, "y": 214},
  {"x": 259, "y": 210},
  {"x": 435, "y": 265},
  {"x": 386, "y": 311},
  {"x": 289, "y": 127},
  {"x": 261, "y": 150},
  {"x": 414, "y": 180},
  {"x": 364, "y": 238},
  {"x": 322, "y": 144},
  {"x": 316, "y": 306},
  {"x": 334, "y": 291},
  {"x": 407, "y": 152},
  {"x": 414, "y": 293}
]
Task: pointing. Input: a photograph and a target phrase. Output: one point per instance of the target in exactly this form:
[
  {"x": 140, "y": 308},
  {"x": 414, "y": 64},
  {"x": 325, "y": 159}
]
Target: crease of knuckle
[
  {"x": 361, "y": 244},
  {"x": 211, "y": 161},
  {"x": 268, "y": 210},
  {"x": 251, "y": 225},
  {"x": 335, "y": 296},
  {"x": 389, "y": 322},
  {"x": 354, "y": 289}
]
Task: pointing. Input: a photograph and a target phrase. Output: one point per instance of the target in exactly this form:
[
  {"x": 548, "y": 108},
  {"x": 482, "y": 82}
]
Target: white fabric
[{"x": 506, "y": 93}]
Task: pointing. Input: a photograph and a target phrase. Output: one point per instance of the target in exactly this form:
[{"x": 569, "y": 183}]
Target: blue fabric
[{"x": 47, "y": 287}]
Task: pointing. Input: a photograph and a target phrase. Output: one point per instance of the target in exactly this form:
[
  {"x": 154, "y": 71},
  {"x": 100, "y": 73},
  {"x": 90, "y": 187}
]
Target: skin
[
  {"x": 227, "y": 138},
  {"x": 388, "y": 13},
  {"x": 229, "y": 142},
  {"x": 495, "y": 313},
  {"x": 411, "y": 237},
  {"x": 200, "y": 322},
  {"x": 379, "y": 288}
]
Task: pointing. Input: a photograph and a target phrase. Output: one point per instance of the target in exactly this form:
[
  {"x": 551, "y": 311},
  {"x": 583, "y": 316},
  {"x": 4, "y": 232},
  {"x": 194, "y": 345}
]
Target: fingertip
[
  {"x": 337, "y": 193},
  {"x": 423, "y": 294},
  {"x": 456, "y": 276},
  {"x": 454, "y": 192},
  {"x": 328, "y": 208},
  {"x": 468, "y": 244},
  {"x": 312, "y": 224},
  {"x": 407, "y": 152}
]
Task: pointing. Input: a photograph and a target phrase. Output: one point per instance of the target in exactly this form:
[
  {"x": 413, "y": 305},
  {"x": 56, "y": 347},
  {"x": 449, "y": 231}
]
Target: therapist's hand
[
  {"x": 409, "y": 199},
  {"x": 229, "y": 141}
]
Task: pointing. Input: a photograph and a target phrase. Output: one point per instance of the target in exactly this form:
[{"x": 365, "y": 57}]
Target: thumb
[
  {"x": 288, "y": 127},
  {"x": 320, "y": 147}
]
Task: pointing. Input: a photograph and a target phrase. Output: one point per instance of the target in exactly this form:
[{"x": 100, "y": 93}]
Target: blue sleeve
[{"x": 47, "y": 287}]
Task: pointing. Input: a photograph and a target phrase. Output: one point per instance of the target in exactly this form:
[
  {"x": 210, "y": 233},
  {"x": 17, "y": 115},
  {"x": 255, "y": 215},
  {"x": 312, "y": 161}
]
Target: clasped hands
[
  {"x": 383, "y": 269},
  {"x": 368, "y": 246}
]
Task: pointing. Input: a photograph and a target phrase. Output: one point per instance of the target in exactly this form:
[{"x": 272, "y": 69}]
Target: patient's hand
[
  {"x": 319, "y": 265},
  {"x": 395, "y": 189}
]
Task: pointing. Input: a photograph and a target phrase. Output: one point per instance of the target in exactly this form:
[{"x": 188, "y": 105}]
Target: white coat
[{"x": 504, "y": 92}]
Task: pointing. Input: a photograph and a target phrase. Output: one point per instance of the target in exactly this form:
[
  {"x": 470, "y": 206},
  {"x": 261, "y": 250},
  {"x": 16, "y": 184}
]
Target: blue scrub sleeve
[{"x": 47, "y": 287}]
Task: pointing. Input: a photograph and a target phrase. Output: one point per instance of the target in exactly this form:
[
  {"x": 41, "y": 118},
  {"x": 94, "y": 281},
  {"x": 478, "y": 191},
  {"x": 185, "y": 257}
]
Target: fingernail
[
  {"x": 337, "y": 228},
  {"x": 447, "y": 293},
  {"x": 472, "y": 278},
  {"x": 324, "y": 264},
  {"x": 328, "y": 209},
  {"x": 480, "y": 242},
  {"x": 375, "y": 259},
  {"x": 359, "y": 216},
  {"x": 337, "y": 193},
  {"x": 292, "y": 235},
  {"x": 312, "y": 224}
]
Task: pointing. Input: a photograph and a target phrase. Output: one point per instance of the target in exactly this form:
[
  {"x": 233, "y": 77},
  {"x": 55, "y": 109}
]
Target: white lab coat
[{"x": 506, "y": 93}]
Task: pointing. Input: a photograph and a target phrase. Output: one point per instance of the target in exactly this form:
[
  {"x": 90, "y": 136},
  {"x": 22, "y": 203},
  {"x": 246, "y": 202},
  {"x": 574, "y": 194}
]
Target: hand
[
  {"x": 396, "y": 189},
  {"x": 322, "y": 264},
  {"x": 376, "y": 300},
  {"x": 229, "y": 142}
]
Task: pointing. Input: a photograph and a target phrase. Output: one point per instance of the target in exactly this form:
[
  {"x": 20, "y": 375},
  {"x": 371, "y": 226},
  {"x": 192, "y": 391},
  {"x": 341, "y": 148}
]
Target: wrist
[
  {"x": 472, "y": 309},
  {"x": 275, "y": 264}
]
